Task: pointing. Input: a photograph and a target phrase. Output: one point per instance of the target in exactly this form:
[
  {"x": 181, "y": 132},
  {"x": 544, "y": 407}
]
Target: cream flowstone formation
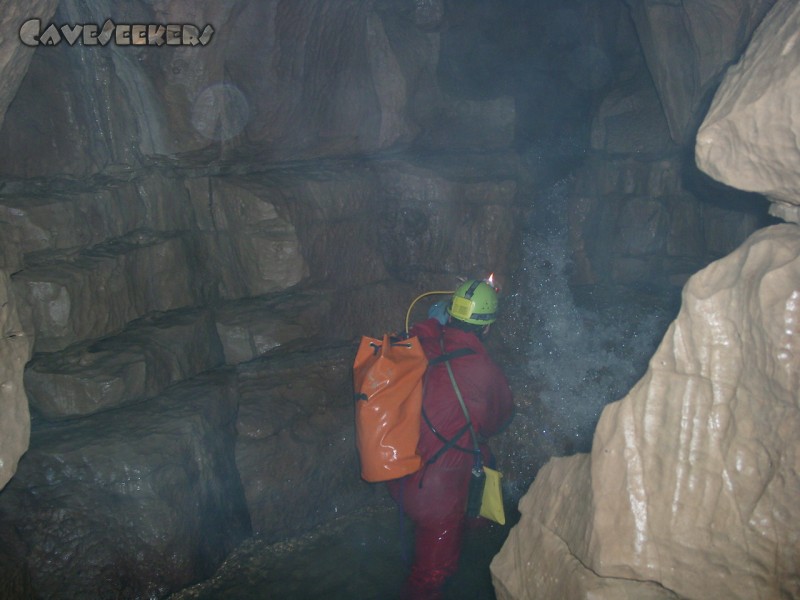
[
  {"x": 750, "y": 137},
  {"x": 693, "y": 479},
  {"x": 691, "y": 489}
]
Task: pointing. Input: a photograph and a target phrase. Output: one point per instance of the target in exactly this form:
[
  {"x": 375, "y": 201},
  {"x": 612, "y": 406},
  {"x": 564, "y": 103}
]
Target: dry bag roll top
[{"x": 388, "y": 376}]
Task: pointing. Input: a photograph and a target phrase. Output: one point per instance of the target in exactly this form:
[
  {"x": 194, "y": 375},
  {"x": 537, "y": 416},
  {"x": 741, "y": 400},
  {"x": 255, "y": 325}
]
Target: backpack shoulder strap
[
  {"x": 450, "y": 356},
  {"x": 451, "y": 443}
]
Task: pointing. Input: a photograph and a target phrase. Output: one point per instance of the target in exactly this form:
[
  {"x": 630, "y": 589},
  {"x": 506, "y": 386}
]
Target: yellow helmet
[{"x": 474, "y": 302}]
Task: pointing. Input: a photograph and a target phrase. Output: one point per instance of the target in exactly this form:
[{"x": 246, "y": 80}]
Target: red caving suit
[{"x": 438, "y": 506}]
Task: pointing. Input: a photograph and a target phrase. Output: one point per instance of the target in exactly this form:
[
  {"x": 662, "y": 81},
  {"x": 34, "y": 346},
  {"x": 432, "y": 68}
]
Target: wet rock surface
[
  {"x": 15, "y": 57},
  {"x": 262, "y": 202},
  {"x": 363, "y": 555},
  {"x": 296, "y": 440},
  {"x": 749, "y": 137},
  {"x": 151, "y": 354},
  {"x": 15, "y": 351},
  {"x": 688, "y": 46},
  {"x": 137, "y": 501},
  {"x": 692, "y": 478}
]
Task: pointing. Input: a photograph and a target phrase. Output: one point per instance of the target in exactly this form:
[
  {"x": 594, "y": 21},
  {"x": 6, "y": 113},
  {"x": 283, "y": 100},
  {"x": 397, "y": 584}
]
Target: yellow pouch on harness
[{"x": 492, "y": 504}]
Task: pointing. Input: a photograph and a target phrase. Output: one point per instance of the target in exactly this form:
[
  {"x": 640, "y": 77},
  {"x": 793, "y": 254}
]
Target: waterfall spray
[{"x": 582, "y": 355}]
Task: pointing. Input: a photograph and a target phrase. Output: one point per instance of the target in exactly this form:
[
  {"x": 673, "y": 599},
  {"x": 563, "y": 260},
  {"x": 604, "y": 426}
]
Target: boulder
[
  {"x": 749, "y": 138},
  {"x": 132, "y": 503},
  {"x": 296, "y": 445},
  {"x": 537, "y": 560},
  {"x": 693, "y": 478}
]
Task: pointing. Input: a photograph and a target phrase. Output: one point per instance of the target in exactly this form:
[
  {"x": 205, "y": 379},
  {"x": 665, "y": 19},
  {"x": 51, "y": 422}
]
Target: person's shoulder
[
  {"x": 461, "y": 338},
  {"x": 426, "y": 329}
]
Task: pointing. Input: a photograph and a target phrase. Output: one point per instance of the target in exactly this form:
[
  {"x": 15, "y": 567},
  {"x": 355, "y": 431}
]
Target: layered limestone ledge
[
  {"x": 151, "y": 354},
  {"x": 694, "y": 476},
  {"x": 15, "y": 350},
  {"x": 159, "y": 350},
  {"x": 750, "y": 138},
  {"x": 245, "y": 246},
  {"x": 78, "y": 219},
  {"x": 252, "y": 327},
  {"x": 655, "y": 229},
  {"x": 97, "y": 292}
]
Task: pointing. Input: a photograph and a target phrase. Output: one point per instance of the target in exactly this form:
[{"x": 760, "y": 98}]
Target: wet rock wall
[
  {"x": 690, "y": 487},
  {"x": 129, "y": 329},
  {"x": 192, "y": 238},
  {"x": 146, "y": 275}
]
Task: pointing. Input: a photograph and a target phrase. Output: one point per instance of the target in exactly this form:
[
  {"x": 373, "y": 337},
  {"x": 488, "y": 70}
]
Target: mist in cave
[{"x": 194, "y": 243}]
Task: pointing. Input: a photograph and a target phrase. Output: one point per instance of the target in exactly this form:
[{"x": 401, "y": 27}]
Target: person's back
[{"x": 435, "y": 497}]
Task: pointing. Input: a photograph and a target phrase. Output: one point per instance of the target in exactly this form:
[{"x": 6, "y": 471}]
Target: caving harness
[
  {"x": 389, "y": 377},
  {"x": 452, "y": 442},
  {"x": 484, "y": 496}
]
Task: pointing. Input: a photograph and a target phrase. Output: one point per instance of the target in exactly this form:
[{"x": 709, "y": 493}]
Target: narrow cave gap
[{"x": 193, "y": 265}]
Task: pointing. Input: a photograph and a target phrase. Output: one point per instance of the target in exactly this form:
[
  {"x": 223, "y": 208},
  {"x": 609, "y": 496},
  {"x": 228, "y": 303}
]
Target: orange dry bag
[{"x": 388, "y": 384}]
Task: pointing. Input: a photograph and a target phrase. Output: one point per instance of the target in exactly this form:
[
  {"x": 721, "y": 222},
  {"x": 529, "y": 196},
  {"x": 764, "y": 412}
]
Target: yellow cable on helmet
[{"x": 411, "y": 306}]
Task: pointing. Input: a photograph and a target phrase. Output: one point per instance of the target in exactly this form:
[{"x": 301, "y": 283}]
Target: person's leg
[{"x": 437, "y": 547}]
